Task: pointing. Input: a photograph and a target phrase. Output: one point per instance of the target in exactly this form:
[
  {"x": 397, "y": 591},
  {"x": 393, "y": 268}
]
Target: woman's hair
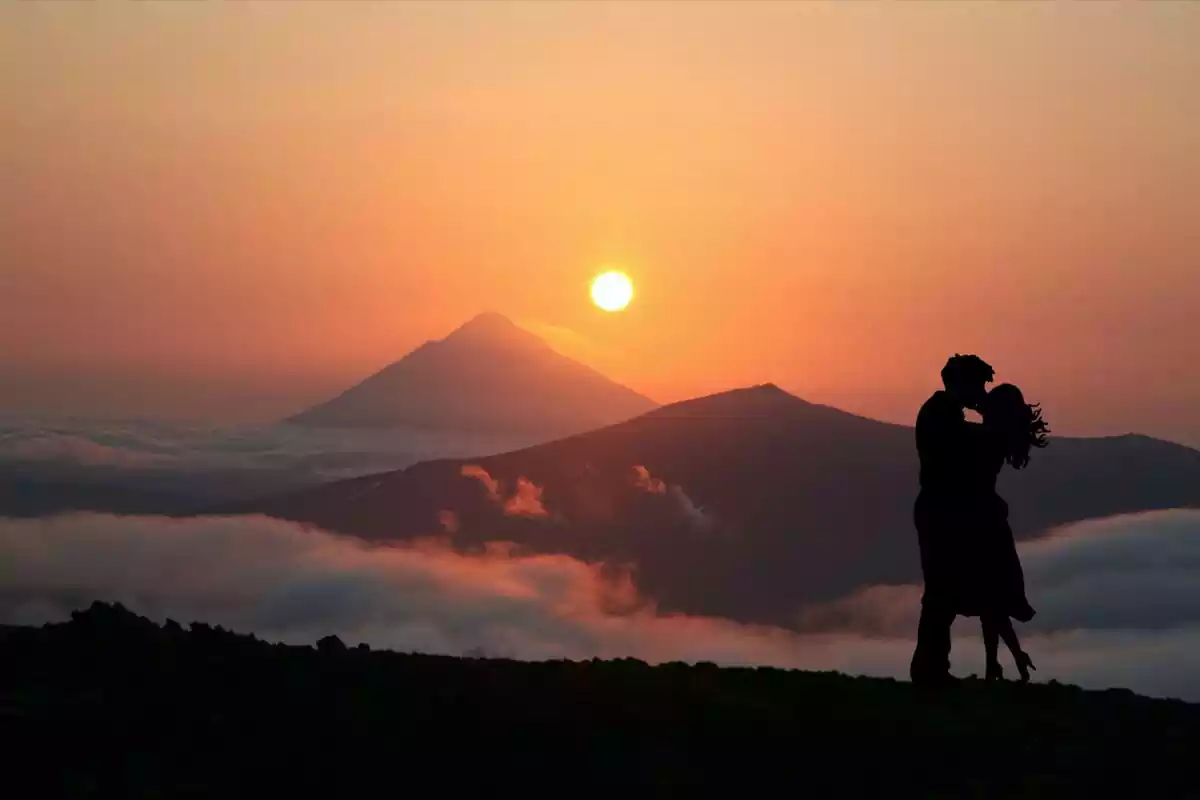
[{"x": 1019, "y": 424}]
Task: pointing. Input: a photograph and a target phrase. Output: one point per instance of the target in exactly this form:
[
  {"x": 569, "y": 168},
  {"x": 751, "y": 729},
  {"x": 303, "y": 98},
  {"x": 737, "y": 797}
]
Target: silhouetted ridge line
[{"x": 134, "y": 709}]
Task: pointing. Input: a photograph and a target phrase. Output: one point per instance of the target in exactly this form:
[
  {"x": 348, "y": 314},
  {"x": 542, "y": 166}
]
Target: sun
[{"x": 612, "y": 291}]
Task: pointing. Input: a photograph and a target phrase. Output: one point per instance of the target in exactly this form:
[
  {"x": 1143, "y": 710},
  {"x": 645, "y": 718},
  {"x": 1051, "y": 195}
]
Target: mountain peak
[
  {"x": 770, "y": 390},
  {"x": 492, "y": 328},
  {"x": 747, "y": 401},
  {"x": 759, "y": 394},
  {"x": 487, "y": 374},
  {"x": 487, "y": 320}
]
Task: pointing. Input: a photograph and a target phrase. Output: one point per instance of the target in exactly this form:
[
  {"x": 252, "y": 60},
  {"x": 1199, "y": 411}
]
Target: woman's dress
[{"x": 992, "y": 581}]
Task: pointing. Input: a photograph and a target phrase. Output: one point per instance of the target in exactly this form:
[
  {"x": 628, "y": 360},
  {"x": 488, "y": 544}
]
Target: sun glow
[{"x": 612, "y": 291}]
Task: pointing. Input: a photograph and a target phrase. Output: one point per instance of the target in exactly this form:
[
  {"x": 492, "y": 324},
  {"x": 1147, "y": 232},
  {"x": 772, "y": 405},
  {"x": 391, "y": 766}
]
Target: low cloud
[
  {"x": 872, "y": 611},
  {"x": 291, "y": 583},
  {"x": 695, "y": 517},
  {"x": 480, "y": 474},
  {"x": 685, "y": 509},
  {"x": 526, "y": 500},
  {"x": 644, "y": 480},
  {"x": 73, "y": 448}
]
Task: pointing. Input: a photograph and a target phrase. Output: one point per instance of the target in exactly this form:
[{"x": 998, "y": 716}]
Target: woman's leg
[{"x": 1020, "y": 657}]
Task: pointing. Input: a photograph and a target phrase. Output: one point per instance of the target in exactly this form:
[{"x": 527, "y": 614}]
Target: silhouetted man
[{"x": 940, "y": 513}]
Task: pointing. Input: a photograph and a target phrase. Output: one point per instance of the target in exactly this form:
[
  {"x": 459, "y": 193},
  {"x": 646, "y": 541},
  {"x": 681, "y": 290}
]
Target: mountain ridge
[{"x": 747, "y": 504}]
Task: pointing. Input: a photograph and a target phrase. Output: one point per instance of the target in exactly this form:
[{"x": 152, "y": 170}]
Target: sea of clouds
[
  {"x": 1118, "y": 599},
  {"x": 144, "y": 445}
]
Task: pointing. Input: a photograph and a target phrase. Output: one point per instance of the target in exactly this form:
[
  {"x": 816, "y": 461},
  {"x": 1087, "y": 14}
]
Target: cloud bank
[
  {"x": 1130, "y": 573},
  {"x": 1118, "y": 599},
  {"x": 165, "y": 446}
]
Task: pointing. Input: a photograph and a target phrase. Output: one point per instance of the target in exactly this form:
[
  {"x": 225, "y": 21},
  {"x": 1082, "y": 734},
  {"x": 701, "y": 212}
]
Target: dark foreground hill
[
  {"x": 111, "y": 705},
  {"x": 752, "y": 504}
]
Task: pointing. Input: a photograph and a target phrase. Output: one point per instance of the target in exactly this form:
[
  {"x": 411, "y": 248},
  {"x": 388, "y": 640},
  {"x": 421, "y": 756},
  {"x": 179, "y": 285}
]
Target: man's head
[{"x": 965, "y": 379}]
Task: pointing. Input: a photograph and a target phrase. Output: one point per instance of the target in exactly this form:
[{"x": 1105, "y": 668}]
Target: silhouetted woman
[{"x": 1011, "y": 428}]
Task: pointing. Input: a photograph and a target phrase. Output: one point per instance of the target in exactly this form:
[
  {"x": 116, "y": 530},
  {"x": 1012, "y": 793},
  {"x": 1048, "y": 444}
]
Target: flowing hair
[{"x": 1019, "y": 424}]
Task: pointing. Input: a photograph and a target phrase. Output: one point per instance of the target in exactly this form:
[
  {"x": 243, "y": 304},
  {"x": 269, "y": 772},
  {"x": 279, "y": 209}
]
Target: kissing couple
[{"x": 968, "y": 554}]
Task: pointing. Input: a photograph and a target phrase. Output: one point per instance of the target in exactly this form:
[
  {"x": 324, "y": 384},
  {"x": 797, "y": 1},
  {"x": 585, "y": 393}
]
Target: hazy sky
[{"x": 232, "y": 208}]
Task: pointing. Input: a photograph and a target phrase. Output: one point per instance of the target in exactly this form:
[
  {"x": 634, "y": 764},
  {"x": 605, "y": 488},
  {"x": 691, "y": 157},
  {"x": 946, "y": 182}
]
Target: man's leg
[
  {"x": 990, "y": 624},
  {"x": 935, "y": 529},
  {"x": 931, "y": 658}
]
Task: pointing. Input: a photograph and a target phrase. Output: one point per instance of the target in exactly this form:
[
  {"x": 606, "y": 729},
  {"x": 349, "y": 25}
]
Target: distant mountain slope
[
  {"x": 488, "y": 375},
  {"x": 753, "y": 502},
  {"x": 131, "y": 709}
]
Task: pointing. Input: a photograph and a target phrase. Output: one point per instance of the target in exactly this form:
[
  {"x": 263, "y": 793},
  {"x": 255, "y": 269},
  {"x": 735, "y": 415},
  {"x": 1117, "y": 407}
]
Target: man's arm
[
  {"x": 939, "y": 422},
  {"x": 944, "y": 433}
]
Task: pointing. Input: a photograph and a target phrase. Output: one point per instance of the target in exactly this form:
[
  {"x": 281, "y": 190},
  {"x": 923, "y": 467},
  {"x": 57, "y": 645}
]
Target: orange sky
[{"x": 242, "y": 206}]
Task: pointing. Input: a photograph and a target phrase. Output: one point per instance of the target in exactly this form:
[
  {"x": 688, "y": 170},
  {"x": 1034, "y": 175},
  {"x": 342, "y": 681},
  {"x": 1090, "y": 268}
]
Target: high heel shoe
[
  {"x": 994, "y": 672},
  {"x": 1024, "y": 664}
]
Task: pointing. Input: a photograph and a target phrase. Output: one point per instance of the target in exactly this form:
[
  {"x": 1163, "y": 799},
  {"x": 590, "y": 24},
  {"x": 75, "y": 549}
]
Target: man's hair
[{"x": 962, "y": 369}]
